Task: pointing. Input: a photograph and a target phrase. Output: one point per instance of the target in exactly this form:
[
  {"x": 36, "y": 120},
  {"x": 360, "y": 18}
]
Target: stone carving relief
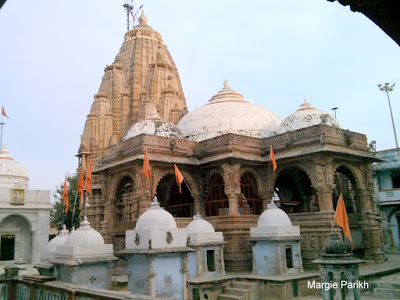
[
  {"x": 137, "y": 239},
  {"x": 169, "y": 237}
]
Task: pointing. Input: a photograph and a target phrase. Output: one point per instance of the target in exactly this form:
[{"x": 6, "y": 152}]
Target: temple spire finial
[{"x": 142, "y": 18}]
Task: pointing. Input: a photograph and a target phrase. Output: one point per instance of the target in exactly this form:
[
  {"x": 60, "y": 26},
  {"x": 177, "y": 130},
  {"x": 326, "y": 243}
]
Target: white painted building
[{"x": 24, "y": 214}]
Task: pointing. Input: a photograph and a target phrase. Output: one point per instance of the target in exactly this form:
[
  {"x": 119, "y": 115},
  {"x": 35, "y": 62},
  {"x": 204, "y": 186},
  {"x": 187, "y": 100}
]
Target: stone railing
[{"x": 24, "y": 288}]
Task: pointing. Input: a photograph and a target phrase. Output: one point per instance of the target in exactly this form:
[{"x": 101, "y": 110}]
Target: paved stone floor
[{"x": 387, "y": 273}]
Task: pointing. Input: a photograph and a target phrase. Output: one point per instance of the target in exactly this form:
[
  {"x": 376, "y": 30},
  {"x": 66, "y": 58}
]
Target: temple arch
[
  {"x": 249, "y": 200},
  {"x": 294, "y": 189},
  {"x": 217, "y": 202},
  {"x": 346, "y": 183},
  {"x": 126, "y": 209},
  {"x": 178, "y": 204},
  {"x": 16, "y": 239}
]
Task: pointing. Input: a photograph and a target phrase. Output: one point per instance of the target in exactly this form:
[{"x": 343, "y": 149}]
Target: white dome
[
  {"x": 84, "y": 236},
  {"x": 154, "y": 126},
  {"x": 307, "y": 116},
  {"x": 273, "y": 217},
  {"x": 199, "y": 225},
  {"x": 10, "y": 169},
  {"x": 155, "y": 218},
  {"x": 59, "y": 240},
  {"x": 228, "y": 112}
]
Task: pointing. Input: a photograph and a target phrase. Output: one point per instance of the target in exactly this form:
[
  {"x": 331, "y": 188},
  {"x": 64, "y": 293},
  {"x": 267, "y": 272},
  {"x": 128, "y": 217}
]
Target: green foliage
[{"x": 57, "y": 215}]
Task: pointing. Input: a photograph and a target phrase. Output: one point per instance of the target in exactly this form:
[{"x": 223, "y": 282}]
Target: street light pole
[{"x": 388, "y": 88}]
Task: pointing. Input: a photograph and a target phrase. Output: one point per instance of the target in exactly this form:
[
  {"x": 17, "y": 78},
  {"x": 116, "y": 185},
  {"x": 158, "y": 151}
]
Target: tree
[{"x": 57, "y": 215}]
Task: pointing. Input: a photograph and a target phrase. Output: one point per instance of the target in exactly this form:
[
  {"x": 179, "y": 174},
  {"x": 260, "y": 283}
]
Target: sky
[{"x": 275, "y": 53}]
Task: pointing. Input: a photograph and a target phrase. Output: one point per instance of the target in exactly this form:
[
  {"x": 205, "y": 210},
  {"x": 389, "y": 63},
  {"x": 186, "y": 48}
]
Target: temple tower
[{"x": 143, "y": 65}]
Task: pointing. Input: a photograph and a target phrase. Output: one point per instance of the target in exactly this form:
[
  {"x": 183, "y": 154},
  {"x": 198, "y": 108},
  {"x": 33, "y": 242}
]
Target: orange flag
[
  {"x": 146, "y": 164},
  {"x": 88, "y": 183},
  {"x": 80, "y": 186},
  {"x": 179, "y": 178},
  {"x": 65, "y": 196},
  {"x": 341, "y": 218},
  {"x": 272, "y": 158},
  {"x": 3, "y": 112}
]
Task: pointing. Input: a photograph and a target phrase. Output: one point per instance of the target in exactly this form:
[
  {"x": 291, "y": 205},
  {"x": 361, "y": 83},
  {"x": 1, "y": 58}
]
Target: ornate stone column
[
  {"x": 231, "y": 174},
  {"x": 322, "y": 180}
]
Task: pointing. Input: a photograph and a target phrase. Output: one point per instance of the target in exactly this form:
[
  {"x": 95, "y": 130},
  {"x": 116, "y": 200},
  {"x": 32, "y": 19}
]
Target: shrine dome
[
  {"x": 273, "y": 216},
  {"x": 154, "y": 126},
  {"x": 84, "y": 236},
  {"x": 307, "y": 116},
  {"x": 11, "y": 172},
  {"x": 228, "y": 112},
  {"x": 155, "y": 218},
  {"x": 199, "y": 225},
  {"x": 150, "y": 123},
  {"x": 59, "y": 240}
]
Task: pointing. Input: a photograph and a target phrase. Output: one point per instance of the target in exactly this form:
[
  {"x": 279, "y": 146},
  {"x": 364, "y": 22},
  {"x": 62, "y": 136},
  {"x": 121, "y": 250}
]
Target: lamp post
[
  {"x": 334, "y": 109},
  {"x": 388, "y": 88}
]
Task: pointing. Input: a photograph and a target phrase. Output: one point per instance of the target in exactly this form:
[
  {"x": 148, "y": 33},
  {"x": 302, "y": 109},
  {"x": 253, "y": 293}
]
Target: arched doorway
[
  {"x": 15, "y": 239},
  {"x": 126, "y": 209},
  {"x": 217, "y": 203},
  {"x": 180, "y": 205},
  {"x": 295, "y": 192},
  {"x": 345, "y": 183},
  {"x": 249, "y": 201}
]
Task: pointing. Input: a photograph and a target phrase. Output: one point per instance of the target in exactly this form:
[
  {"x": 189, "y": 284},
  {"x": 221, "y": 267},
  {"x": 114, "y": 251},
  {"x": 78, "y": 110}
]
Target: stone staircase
[
  {"x": 387, "y": 287},
  {"x": 240, "y": 290},
  {"x": 387, "y": 290}
]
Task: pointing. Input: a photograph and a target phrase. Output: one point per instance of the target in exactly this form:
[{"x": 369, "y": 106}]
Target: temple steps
[
  {"x": 240, "y": 290},
  {"x": 387, "y": 293}
]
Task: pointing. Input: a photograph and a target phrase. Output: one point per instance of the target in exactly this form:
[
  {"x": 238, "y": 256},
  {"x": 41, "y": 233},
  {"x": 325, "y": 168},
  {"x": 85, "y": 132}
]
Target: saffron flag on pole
[
  {"x": 3, "y": 112},
  {"x": 146, "y": 164},
  {"x": 65, "y": 196},
  {"x": 272, "y": 158},
  {"x": 179, "y": 178},
  {"x": 80, "y": 186},
  {"x": 88, "y": 183},
  {"x": 341, "y": 218}
]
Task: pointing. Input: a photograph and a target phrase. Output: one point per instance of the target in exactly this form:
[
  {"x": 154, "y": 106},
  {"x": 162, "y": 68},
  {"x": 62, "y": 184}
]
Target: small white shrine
[
  {"x": 157, "y": 255},
  {"x": 84, "y": 259},
  {"x": 276, "y": 247},
  {"x": 208, "y": 260},
  {"x": 24, "y": 214}
]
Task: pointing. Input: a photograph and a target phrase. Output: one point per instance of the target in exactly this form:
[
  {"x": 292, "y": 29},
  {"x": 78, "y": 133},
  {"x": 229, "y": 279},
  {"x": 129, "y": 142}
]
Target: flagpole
[
  {"x": 187, "y": 184},
  {"x": 1, "y": 136},
  {"x": 73, "y": 210}
]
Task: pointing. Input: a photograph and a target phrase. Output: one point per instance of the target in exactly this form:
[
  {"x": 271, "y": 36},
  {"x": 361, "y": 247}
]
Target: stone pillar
[
  {"x": 322, "y": 179},
  {"x": 199, "y": 261},
  {"x": 142, "y": 188},
  {"x": 324, "y": 193},
  {"x": 152, "y": 278},
  {"x": 197, "y": 205},
  {"x": 231, "y": 174},
  {"x": 365, "y": 200},
  {"x": 184, "y": 271},
  {"x": 266, "y": 198}
]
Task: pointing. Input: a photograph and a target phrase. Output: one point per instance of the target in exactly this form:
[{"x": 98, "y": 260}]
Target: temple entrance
[
  {"x": 249, "y": 201},
  {"x": 180, "y": 205},
  {"x": 7, "y": 247},
  {"x": 295, "y": 192},
  {"x": 217, "y": 203},
  {"x": 126, "y": 209},
  {"x": 345, "y": 183},
  {"x": 15, "y": 239}
]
